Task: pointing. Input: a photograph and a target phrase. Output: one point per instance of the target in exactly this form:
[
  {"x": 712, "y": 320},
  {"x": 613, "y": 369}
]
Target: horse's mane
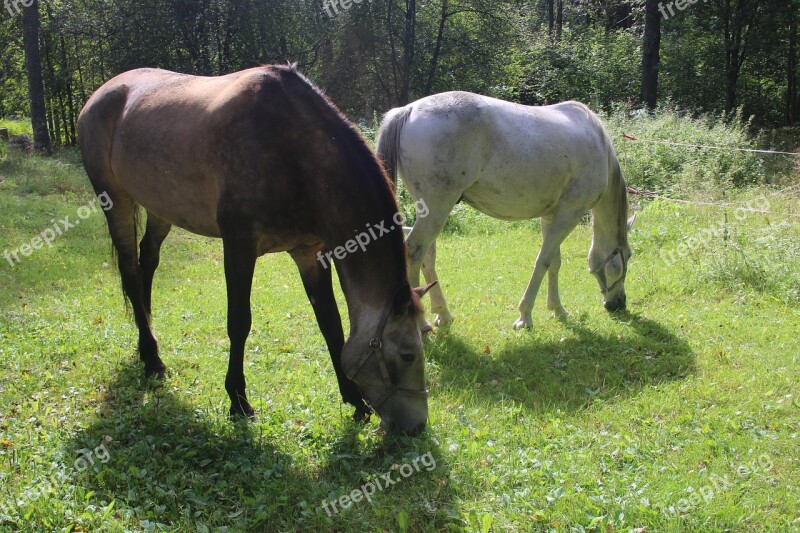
[
  {"x": 326, "y": 108},
  {"x": 330, "y": 108},
  {"x": 619, "y": 192}
]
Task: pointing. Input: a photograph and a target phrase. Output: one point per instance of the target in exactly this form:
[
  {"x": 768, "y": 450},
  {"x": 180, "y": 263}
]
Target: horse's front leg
[
  {"x": 316, "y": 276},
  {"x": 421, "y": 238},
  {"x": 438, "y": 303},
  {"x": 553, "y": 298},
  {"x": 240, "y": 262},
  {"x": 553, "y": 234}
]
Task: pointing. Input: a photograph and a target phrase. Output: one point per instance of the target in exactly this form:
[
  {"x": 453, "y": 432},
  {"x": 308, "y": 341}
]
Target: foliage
[
  {"x": 596, "y": 68},
  {"x": 687, "y": 170},
  {"x": 374, "y": 55}
]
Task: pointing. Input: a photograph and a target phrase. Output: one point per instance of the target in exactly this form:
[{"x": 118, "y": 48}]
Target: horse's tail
[
  {"x": 96, "y": 124},
  {"x": 388, "y": 143}
]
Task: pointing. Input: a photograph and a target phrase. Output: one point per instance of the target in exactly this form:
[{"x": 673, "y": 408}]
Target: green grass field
[{"x": 681, "y": 414}]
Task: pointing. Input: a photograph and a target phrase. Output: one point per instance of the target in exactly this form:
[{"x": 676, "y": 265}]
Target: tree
[
  {"x": 740, "y": 17},
  {"x": 33, "y": 68},
  {"x": 792, "y": 96},
  {"x": 651, "y": 53},
  {"x": 559, "y": 18},
  {"x": 409, "y": 41}
]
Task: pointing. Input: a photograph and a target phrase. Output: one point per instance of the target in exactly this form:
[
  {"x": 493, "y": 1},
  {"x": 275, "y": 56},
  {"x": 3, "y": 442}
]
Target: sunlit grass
[{"x": 596, "y": 422}]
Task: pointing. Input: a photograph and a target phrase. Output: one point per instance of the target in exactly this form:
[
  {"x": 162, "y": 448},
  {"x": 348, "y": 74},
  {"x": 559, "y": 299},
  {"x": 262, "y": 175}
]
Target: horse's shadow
[
  {"x": 572, "y": 373},
  {"x": 165, "y": 461}
]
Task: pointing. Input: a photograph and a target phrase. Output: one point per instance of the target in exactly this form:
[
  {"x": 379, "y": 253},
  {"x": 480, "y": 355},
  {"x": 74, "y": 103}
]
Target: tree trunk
[
  {"x": 559, "y": 18},
  {"x": 408, "y": 52},
  {"x": 739, "y": 21},
  {"x": 551, "y": 18},
  {"x": 437, "y": 49},
  {"x": 792, "y": 97},
  {"x": 33, "y": 68},
  {"x": 51, "y": 116},
  {"x": 651, "y": 53}
]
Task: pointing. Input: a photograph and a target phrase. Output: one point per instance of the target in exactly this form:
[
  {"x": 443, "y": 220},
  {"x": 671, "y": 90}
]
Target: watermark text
[
  {"x": 372, "y": 233},
  {"x": 368, "y": 489}
]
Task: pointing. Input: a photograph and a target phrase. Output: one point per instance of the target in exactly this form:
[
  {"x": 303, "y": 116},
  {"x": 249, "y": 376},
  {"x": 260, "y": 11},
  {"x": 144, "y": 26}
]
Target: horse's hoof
[
  {"x": 443, "y": 319},
  {"x": 560, "y": 312},
  {"x": 157, "y": 372},
  {"x": 425, "y": 327},
  {"x": 242, "y": 412},
  {"x": 361, "y": 414},
  {"x": 523, "y": 323}
]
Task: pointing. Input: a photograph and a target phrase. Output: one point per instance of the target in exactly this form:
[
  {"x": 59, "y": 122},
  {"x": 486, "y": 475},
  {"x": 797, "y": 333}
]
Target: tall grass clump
[
  {"x": 29, "y": 174},
  {"x": 687, "y": 171},
  {"x": 738, "y": 251}
]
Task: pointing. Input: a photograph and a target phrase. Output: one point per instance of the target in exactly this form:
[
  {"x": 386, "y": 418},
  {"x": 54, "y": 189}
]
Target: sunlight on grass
[{"x": 680, "y": 414}]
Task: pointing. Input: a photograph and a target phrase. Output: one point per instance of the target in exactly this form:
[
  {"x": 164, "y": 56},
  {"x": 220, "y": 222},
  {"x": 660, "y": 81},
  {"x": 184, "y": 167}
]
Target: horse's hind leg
[
  {"x": 149, "y": 256},
  {"x": 423, "y": 235},
  {"x": 553, "y": 298},
  {"x": 122, "y": 227}
]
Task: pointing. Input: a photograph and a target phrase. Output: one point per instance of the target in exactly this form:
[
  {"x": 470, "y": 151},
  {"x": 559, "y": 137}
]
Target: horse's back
[
  {"x": 171, "y": 140},
  {"x": 503, "y": 133},
  {"x": 508, "y": 160}
]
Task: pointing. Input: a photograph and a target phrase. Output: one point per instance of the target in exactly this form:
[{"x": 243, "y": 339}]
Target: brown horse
[{"x": 262, "y": 160}]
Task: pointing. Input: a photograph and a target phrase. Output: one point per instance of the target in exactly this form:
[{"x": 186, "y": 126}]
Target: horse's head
[
  {"x": 388, "y": 365},
  {"x": 608, "y": 262}
]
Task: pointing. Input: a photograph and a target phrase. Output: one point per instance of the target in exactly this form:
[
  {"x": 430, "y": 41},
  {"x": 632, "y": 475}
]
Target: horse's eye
[{"x": 408, "y": 357}]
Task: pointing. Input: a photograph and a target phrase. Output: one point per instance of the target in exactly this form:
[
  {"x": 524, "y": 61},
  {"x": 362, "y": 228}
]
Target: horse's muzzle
[
  {"x": 617, "y": 304},
  {"x": 408, "y": 420},
  {"x": 411, "y": 429}
]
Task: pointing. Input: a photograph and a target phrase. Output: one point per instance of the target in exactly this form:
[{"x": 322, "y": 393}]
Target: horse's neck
[
  {"x": 607, "y": 220},
  {"x": 367, "y": 291},
  {"x": 358, "y": 201},
  {"x": 369, "y": 276}
]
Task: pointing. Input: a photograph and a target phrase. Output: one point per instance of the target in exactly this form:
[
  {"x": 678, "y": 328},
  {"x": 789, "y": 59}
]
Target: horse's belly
[
  {"x": 192, "y": 214},
  {"x": 509, "y": 203},
  {"x": 191, "y": 206}
]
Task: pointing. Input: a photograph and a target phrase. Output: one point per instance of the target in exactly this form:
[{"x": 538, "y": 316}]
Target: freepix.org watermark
[
  {"x": 61, "y": 477},
  {"x": 13, "y": 6},
  {"x": 718, "y": 231},
  {"x": 331, "y": 7},
  {"x": 717, "y": 484},
  {"x": 368, "y": 489},
  {"x": 373, "y": 233},
  {"x": 679, "y": 4},
  {"x": 60, "y": 226}
]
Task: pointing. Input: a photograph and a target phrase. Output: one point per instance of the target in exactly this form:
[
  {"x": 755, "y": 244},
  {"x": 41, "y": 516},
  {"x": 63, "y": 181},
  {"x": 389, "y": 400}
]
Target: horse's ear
[
  {"x": 421, "y": 291},
  {"x": 631, "y": 221}
]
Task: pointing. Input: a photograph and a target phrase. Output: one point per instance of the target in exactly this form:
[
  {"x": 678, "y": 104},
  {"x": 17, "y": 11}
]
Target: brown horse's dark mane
[{"x": 331, "y": 107}]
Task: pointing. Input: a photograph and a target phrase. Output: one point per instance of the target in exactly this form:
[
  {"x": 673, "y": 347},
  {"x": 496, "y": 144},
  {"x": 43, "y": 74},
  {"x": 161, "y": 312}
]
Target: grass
[
  {"x": 688, "y": 171},
  {"x": 16, "y": 126},
  {"x": 681, "y": 414}
]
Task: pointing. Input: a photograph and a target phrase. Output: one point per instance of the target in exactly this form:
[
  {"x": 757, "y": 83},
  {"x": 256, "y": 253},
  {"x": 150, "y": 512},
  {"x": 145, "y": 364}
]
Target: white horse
[{"x": 511, "y": 162}]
